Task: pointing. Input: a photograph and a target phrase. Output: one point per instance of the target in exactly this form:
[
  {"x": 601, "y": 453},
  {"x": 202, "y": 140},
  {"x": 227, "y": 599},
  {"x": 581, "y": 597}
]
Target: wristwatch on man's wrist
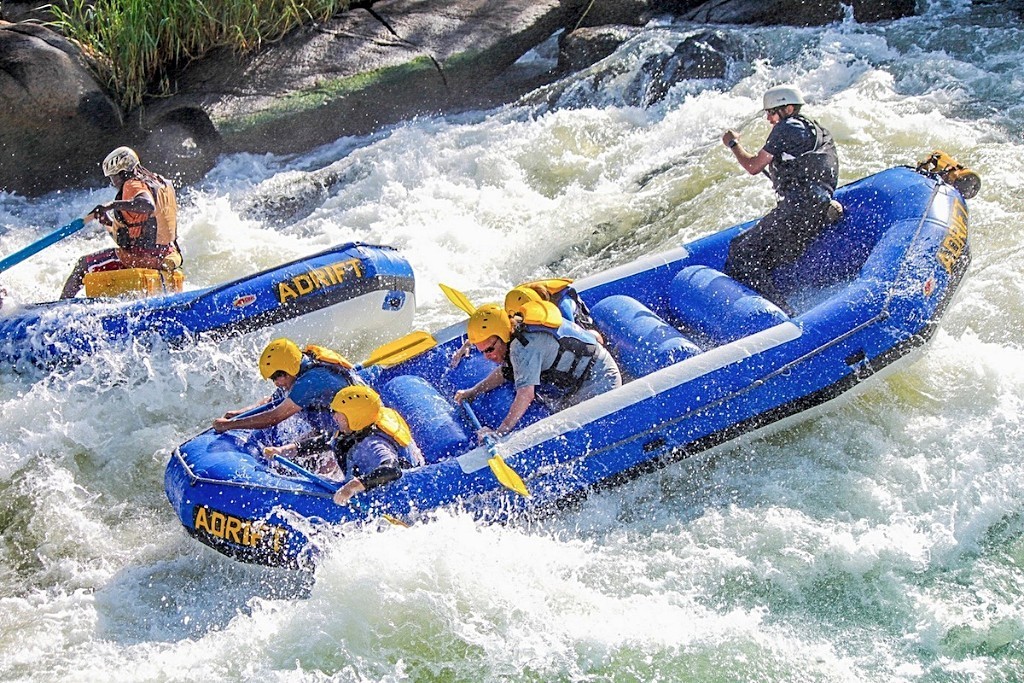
[{"x": 733, "y": 143}]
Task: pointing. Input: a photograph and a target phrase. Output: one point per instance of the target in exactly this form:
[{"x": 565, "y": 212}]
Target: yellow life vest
[
  {"x": 548, "y": 288},
  {"x": 543, "y": 313},
  {"x": 322, "y": 354},
  {"x": 395, "y": 426}
]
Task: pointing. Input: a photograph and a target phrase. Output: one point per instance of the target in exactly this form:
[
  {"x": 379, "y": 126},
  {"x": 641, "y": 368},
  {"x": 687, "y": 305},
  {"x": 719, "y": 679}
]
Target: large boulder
[
  {"x": 609, "y": 12},
  {"x": 369, "y": 67},
  {"x": 867, "y": 11},
  {"x": 57, "y": 122},
  {"x": 16, "y": 10},
  {"x": 580, "y": 48}
]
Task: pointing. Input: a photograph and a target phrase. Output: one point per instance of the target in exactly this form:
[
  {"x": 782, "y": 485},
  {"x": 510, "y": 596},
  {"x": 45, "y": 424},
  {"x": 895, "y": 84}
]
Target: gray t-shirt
[{"x": 530, "y": 360}]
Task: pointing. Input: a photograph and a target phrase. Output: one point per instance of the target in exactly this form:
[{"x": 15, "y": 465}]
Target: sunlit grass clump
[{"x": 137, "y": 44}]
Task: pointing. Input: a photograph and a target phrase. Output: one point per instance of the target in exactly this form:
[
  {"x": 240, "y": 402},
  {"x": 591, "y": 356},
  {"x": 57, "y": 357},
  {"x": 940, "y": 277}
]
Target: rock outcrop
[
  {"x": 367, "y": 68},
  {"x": 382, "y": 62},
  {"x": 58, "y": 122}
]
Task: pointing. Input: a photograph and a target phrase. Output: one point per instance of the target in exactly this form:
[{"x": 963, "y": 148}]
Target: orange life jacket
[{"x": 147, "y": 231}]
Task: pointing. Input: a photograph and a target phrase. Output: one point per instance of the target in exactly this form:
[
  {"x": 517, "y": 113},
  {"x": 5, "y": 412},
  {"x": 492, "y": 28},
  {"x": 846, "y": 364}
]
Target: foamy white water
[{"x": 882, "y": 541}]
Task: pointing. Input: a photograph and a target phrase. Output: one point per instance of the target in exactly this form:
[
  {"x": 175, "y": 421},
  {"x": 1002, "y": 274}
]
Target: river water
[{"x": 880, "y": 541}]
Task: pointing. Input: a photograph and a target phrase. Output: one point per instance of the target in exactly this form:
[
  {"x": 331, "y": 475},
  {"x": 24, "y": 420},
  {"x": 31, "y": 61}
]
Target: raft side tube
[
  {"x": 720, "y": 308},
  {"x": 641, "y": 341},
  {"x": 432, "y": 419}
]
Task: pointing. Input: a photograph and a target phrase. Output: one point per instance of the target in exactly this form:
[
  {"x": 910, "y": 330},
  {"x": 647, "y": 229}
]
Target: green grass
[
  {"x": 325, "y": 92},
  {"x": 138, "y": 44}
]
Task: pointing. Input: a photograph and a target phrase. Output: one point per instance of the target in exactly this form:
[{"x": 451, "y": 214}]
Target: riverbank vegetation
[{"x": 137, "y": 45}]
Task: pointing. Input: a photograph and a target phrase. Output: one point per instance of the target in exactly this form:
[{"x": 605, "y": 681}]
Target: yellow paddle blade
[
  {"x": 507, "y": 476},
  {"x": 458, "y": 298},
  {"x": 395, "y": 520},
  {"x": 394, "y": 352}
]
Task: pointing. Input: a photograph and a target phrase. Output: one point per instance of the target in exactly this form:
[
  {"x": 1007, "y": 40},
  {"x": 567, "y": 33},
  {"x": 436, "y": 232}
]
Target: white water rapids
[{"x": 881, "y": 541}]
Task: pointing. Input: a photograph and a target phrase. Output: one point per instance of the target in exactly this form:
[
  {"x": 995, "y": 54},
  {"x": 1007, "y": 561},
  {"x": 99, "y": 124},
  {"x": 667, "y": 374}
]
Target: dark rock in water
[
  {"x": 797, "y": 12},
  {"x": 585, "y": 46},
  {"x": 183, "y": 142},
  {"x": 867, "y": 11},
  {"x": 611, "y": 12},
  {"x": 782, "y": 12},
  {"x": 701, "y": 56},
  {"x": 287, "y": 198},
  {"x": 704, "y": 55}
]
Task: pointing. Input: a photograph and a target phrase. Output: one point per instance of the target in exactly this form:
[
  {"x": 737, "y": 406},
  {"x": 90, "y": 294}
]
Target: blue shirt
[
  {"x": 369, "y": 454},
  {"x": 313, "y": 392}
]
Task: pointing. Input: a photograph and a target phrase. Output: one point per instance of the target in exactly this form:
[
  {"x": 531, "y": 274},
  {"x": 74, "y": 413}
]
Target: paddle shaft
[
  {"x": 37, "y": 246},
  {"x": 505, "y": 475},
  {"x": 333, "y": 487},
  {"x": 488, "y": 439},
  {"x": 325, "y": 484}
]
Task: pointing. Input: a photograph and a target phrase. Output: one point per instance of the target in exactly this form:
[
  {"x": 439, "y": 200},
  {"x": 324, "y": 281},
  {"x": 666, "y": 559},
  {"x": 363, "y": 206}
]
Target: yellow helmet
[
  {"x": 280, "y": 355},
  {"x": 490, "y": 320},
  {"x": 359, "y": 404},
  {"x": 515, "y": 299}
]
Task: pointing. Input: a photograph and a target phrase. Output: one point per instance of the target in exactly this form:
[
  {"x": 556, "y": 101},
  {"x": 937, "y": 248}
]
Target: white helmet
[
  {"x": 781, "y": 95},
  {"x": 121, "y": 159}
]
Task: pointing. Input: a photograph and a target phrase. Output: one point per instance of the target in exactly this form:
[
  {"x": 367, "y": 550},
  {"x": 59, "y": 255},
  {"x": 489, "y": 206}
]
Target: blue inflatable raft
[
  {"x": 375, "y": 283},
  {"x": 705, "y": 361}
]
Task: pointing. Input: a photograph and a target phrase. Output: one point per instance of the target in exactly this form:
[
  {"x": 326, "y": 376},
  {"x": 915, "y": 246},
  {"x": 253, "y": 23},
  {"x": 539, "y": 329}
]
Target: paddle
[
  {"x": 40, "y": 244},
  {"x": 458, "y": 298},
  {"x": 505, "y": 475},
  {"x": 399, "y": 350},
  {"x": 331, "y": 486},
  {"x": 392, "y": 353}
]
